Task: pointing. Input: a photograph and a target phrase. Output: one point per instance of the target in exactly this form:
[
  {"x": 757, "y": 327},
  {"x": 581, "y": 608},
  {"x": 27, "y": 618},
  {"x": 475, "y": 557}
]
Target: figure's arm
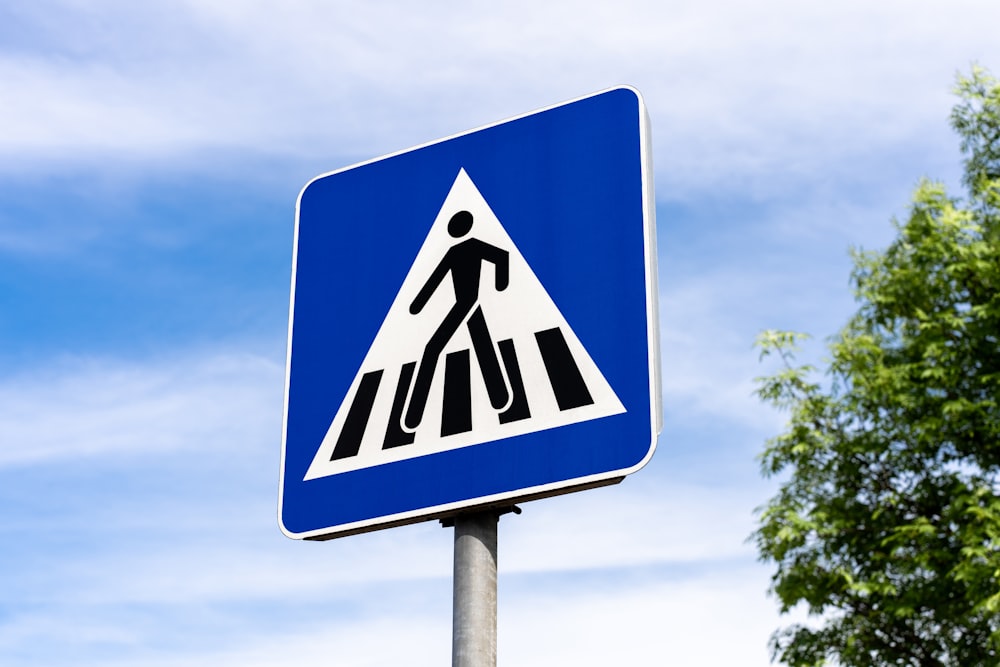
[
  {"x": 503, "y": 269},
  {"x": 424, "y": 295},
  {"x": 501, "y": 261}
]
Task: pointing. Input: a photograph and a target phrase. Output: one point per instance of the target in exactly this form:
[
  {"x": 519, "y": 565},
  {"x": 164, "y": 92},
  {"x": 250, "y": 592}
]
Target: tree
[{"x": 886, "y": 523}]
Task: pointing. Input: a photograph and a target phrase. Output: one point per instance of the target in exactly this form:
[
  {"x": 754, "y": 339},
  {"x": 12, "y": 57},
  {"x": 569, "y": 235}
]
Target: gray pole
[
  {"x": 474, "y": 610},
  {"x": 474, "y": 600}
]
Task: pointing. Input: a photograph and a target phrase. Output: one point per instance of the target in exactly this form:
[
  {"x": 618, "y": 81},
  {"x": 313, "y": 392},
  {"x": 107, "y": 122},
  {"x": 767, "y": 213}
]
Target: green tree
[{"x": 886, "y": 523}]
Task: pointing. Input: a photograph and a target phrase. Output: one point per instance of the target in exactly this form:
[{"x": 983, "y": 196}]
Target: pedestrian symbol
[
  {"x": 464, "y": 260},
  {"x": 472, "y": 350}
]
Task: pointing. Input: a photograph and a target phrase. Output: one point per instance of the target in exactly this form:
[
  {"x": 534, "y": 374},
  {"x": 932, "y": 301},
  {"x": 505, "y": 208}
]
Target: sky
[{"x": 150, "y": 158}]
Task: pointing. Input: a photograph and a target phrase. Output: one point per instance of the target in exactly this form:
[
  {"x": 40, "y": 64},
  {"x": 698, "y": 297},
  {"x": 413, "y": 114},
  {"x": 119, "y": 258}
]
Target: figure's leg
[
  {"x": 428, "y": 362},
  {"x": 489, "y": 364}
]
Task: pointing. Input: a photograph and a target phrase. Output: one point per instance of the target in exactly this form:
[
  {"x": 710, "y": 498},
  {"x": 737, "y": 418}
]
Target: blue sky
[{"x": 150, "y": 157}]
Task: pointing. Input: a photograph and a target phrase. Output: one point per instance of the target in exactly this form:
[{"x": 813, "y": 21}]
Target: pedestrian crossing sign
[{"x": 473, "y": 322}]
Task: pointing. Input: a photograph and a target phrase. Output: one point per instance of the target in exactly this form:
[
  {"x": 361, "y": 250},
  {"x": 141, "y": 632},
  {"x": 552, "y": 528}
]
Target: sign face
[{"x": 473, "y": 322}]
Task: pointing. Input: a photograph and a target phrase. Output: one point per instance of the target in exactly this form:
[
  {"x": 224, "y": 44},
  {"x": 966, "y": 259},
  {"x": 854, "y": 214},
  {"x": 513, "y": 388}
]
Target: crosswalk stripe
[
  {"x": 518, "y": 408},
  {"x": 395, "y": 436},
  {"x": 456, "y": 411},
  {"x": 564, "y": 375},
  {"x": 349, "y": 441}
]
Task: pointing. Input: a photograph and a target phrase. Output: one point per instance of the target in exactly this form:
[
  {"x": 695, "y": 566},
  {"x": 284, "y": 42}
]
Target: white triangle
[{"x": 517, "y": 312}]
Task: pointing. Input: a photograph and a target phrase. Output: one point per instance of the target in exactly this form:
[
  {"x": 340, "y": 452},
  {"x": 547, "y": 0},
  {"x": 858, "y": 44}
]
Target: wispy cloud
[
  {"x": 101, "y": 407},
  {"x": 637, "y": 620},
  {"x": 654, "y": 620},
  {"x": 736, "y": 91}
]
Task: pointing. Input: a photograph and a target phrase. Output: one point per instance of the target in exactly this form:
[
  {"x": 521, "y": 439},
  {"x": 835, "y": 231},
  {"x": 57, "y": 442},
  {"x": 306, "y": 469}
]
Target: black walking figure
[{"x": 465, "y": 261}]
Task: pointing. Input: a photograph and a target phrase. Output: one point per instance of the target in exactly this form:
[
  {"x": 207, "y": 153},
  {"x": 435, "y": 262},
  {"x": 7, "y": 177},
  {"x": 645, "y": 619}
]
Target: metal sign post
[
  {"x": 474, "y": 602},
  {"x": 474, "y": 598}
]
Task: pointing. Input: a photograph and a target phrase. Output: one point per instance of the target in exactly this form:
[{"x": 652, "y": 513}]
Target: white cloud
[
  {"x": 240, "y": 557},
  {"x": 787, "y": 267},
  {"x": 709, "y": 363},
  {"x": 649, "y": 619},
  {"x": 645, "y": 521},
  {"x": 716, "y": 618},
  {"x": 412, "y": 639},
  {"x": 99, "y": 407},
  {"x": 738, "y": 92},
  {"x": 410, "y": 636}
]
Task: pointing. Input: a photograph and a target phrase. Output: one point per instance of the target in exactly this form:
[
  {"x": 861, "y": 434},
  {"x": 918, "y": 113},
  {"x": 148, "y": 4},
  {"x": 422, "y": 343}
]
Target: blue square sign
[{"x": 473, "y": 322}]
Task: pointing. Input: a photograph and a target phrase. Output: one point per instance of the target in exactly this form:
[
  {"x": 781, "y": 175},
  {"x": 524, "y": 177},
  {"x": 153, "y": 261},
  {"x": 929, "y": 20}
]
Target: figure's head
[{"x": 460, "y": 224}]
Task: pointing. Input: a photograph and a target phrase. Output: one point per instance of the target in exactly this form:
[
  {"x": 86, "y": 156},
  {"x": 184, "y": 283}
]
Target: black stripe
[
  {"x": 518, "y": 408},
  {"x": 564, "y": 375},
  {"x": 349, "y": 441},
  {"x": 395, "y": 436},
  {"x": 456, "y": 413}
]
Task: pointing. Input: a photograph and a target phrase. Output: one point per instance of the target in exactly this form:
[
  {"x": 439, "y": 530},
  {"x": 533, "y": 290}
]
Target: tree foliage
[{"x": 886, "y": 524}]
